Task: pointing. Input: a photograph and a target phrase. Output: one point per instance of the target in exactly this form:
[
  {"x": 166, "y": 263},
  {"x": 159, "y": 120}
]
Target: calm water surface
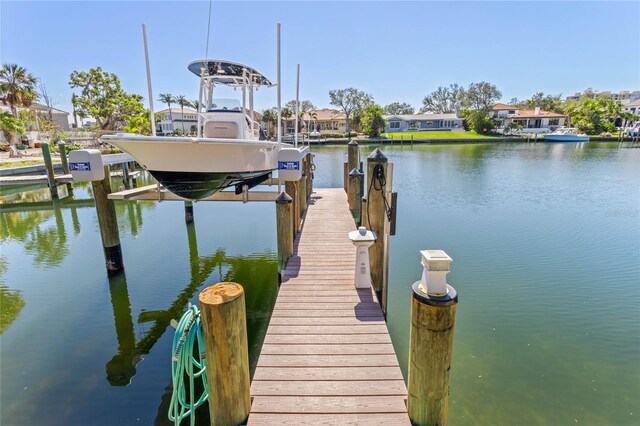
[{"x": 546, "y": 247}]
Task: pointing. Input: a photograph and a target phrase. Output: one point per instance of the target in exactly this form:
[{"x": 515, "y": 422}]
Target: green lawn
[{"x": 436, "y": 135}]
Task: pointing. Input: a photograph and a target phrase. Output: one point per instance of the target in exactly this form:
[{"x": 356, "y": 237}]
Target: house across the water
[
  {"x": 323, "y": 120},
  {"x": 531, "y": 121},
  {"x": 422, "y": 122}
]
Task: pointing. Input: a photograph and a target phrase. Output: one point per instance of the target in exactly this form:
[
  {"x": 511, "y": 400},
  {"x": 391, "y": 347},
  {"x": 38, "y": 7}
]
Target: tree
[
  {"x": 372, "y": 120},
  {"x": 397, "y": 108},
  {"x": 195, "y": 104},
  {"x": 47, "y": 99},
  {"x": 478, "y": 120},
  {"x": 350, "y": 101},
  {"x": 167, "y": 98},
  {"x": 544, "y": 102},
  {"x": 313, "y": 116},
  {"x": 445, "y": 100},
  {"x": 482, "y": 96},
  {"x": 17, "y": 87},
  {"x": 11, "y": 127},
  {"x": 183, "y": 102},
  {"x": 593, "y": 115},
  {"x": 270, "y": 118},
  {"x": 102, "y": 97}
]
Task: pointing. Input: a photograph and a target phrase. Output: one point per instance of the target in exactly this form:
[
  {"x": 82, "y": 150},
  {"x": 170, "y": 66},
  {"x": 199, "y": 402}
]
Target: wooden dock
[{"x": 327, "y": 357}]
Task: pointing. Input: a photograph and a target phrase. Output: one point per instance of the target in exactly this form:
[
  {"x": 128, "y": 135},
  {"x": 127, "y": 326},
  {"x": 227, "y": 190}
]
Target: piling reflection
[{"x": 257, "y": 273}]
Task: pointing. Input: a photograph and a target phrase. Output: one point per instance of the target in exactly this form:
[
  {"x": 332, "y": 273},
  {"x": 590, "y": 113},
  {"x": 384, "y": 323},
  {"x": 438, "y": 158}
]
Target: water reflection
[
  {"x": 257, "y": 273},
  {"x": 11, "y": 301}
]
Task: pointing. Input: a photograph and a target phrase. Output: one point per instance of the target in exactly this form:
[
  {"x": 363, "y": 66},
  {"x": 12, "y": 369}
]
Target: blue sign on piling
[
  {"x": 288, "y": 165},
  {"x": 80, "y": 167}
]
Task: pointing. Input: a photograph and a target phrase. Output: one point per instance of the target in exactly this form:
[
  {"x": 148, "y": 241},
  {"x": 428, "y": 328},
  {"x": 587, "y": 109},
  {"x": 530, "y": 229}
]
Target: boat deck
[{"x": 327, "y": 356}]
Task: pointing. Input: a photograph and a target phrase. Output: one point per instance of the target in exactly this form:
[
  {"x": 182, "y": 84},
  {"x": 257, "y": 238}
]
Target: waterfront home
[
  {"x": 174, "y": 119},
  {"x": 531, "y": 121},
  {"x": 621, "y": 97},
  {"x": 323, "y": 120},
  {"x": 422, "y": 122},
  {"x": 58, "y": 117}
]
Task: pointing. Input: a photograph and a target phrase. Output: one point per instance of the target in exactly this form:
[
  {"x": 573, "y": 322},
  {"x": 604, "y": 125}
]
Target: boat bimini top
[{"x": 228, "y": 73}]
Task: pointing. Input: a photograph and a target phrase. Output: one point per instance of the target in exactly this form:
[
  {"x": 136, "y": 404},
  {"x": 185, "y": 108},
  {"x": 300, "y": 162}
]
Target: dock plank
[{"x": 327, "y": 358}]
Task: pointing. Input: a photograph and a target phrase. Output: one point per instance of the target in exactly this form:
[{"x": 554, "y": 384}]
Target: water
[{"x": 546, "y": 247}]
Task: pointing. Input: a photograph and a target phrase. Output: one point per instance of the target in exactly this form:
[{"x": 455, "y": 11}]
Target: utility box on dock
[
  {"x": 290, "y": 163},
  {"x": 86, "y": 165}
]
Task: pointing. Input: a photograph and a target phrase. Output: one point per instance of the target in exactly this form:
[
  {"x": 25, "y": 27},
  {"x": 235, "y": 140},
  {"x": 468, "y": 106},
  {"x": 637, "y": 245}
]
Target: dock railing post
[
  {"x": 433, "y": 311},
  {"x": 48, "y": 164},
  {"x": 224, "y": 332},
  {"x": 378, "y": 187},
  {"x": 108, "y": 223},
  {"x": 284, "y": 224},
  {"x": 354, "y": 195}
]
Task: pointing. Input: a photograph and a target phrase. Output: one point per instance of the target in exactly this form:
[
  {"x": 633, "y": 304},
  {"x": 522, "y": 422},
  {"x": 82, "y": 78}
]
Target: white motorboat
[
  {"x": 566, "y": 135},
  {"x": 229, "y": 150}
]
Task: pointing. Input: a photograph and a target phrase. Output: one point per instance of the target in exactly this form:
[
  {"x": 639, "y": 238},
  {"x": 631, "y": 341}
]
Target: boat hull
[
  {"x": 194, "y": 168},
  {"x": 566, "y": 138}
]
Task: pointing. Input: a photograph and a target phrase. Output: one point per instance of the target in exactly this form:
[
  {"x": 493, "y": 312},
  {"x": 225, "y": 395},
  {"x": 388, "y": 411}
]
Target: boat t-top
[
  {"x": 229, "y": 149},
  {"x": 566, "y": 134}
]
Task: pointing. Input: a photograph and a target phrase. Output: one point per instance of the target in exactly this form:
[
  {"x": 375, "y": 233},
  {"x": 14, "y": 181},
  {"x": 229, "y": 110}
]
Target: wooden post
[
  {"x": 433, "y": 312},
  {"x": 302, "y": 198},
  {"x": 125, "y": 176},
  {"x": 292, "y": 188},
  {"x": 309, "y": 171},
  {"x": 355, "y": 195},
  {"x": 364, "y": 220},
  {"x": 377, "y": 166},
  {"x": 353, "y": 157},
  {"x": 188, "y": 211},
  {"x": 224, "y": 331},
  {"x": 48, "y": 164},
  {"x": 62, "y": 149},
  {"x": 345, "y": 174},
  {"x": 284, "y": 223},
  {"x": 108, "y": 222}
]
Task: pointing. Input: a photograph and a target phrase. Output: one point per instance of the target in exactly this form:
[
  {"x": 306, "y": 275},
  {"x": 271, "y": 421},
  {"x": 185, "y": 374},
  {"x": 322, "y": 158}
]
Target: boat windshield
[{"x": 224, "y": 105}]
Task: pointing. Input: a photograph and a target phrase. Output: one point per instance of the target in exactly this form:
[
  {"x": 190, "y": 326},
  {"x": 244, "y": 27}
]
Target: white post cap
[
  {"x": 362, "y": 235},
  {"x": 437, "y": 265}
]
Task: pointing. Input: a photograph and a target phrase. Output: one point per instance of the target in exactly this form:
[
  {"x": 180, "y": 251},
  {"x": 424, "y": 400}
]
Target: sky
[{"x": 396, "y": 51}]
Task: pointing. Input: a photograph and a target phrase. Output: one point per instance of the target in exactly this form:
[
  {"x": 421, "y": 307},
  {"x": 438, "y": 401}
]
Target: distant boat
[
  {"x": 229, "y": 149},
  {"x": 566, "y": 135}
]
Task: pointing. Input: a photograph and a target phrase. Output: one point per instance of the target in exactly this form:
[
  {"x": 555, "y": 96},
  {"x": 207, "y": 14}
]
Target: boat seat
[{"x": 221, "y": 129}]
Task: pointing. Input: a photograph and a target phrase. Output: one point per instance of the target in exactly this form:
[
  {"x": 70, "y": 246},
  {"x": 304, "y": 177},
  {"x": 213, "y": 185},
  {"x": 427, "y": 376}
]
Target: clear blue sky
[{"x": 397, "y": 51}]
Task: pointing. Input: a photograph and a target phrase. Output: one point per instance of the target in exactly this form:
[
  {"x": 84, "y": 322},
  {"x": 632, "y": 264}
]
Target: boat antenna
[
  {"x": 297, "y": 102},
  {"x": 279, "y": 100},
  {"x": 146, "y": 58},
  {"x": 206, "y": 50}
]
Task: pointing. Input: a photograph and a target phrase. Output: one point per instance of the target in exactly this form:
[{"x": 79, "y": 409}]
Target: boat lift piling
[{"x": 51, "y": 178}]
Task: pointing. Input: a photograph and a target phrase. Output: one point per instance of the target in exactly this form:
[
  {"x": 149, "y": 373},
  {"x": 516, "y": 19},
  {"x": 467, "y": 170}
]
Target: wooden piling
[
  {"x": 188, "y": 211},
  {"x": 108, "y": 223},
  {"x": 284, "y": 224},
  {"x": 292, "y": 188},
  {"x": 354, "y": 195},
  {"x": 302, "y": 198},
  {"x": 430, "y": 348},
  {"x": 62, "y": 149},
  {"x": 353, "y": 157},
  {"x": 377, "y": 168},
  {"x": 345, "y": 174},
  {"x": 48, "y": 164},
  {"x": 224, "y": 331},
  {"x": 125, "y": 176}
]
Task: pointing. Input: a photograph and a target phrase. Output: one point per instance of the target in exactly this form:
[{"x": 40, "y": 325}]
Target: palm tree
[
  {"x": 167, "y": 98},
  {"x": 17, "y": 87},
  {"x": 312, "y": 116},
  {"x": 183, "y": 102},
  {"x": 195, "y": 104},
  {"x": 286, "y": 114}
]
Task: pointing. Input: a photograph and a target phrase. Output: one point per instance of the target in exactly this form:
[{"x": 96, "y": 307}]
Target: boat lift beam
[{"x": 153, "y": 193}]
